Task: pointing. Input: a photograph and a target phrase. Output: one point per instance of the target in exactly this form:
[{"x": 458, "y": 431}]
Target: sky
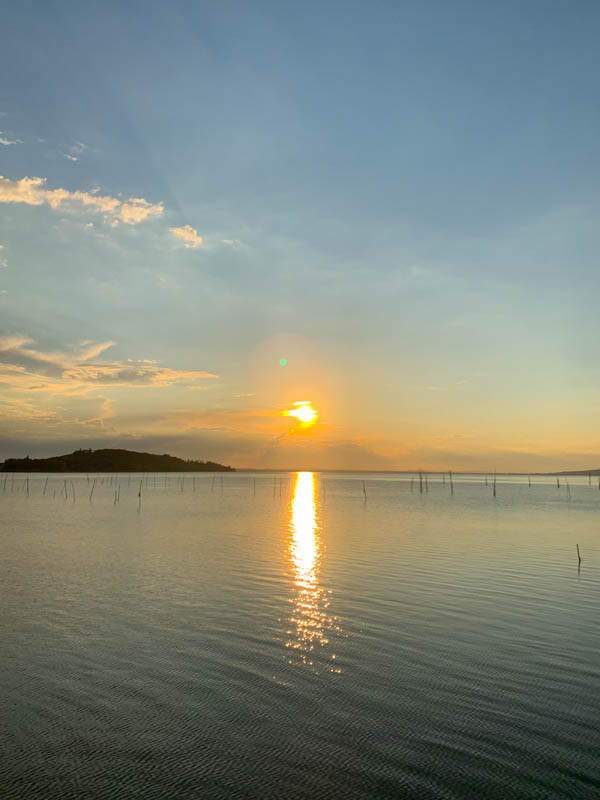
[{"x": 399, "y": 199}]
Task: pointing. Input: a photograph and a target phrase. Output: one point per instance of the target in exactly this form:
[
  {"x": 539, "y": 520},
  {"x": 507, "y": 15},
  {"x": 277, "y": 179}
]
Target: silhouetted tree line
[{"x": 110, "y": 461}]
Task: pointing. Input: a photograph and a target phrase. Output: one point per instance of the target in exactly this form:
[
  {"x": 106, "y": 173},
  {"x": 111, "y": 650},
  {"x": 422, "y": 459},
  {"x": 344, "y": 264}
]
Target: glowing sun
[{"x": 303, "y": 410}]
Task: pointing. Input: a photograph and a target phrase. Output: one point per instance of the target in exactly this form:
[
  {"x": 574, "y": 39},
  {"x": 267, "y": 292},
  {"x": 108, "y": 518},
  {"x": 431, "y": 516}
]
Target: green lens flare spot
[{"x": 283, "y": 361}]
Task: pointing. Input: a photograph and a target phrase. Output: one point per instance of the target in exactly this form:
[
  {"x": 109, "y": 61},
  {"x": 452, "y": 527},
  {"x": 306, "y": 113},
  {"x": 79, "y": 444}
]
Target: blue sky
[{"x": 401, "y": 198}]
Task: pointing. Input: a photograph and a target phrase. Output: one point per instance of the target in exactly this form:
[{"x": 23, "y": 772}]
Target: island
[{"x": 109, "y": 460}]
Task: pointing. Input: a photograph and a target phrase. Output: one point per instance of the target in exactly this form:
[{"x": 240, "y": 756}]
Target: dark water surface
[{"x": 279, "y": 636}]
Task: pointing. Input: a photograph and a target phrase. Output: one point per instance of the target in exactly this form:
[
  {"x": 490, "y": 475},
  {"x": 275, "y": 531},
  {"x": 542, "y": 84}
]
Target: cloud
[
  {"x": 75, "y": 151},
  {"x": 26, "y": 368},
  {"x": 137, "y": 210},
  {"x": 33, "y": 192},
  {"x": 8, "y": 142},
  {"x": 188, "y": 235},
  {"x": 3, "y": 261},
  {"x": 253, "y": 420}
]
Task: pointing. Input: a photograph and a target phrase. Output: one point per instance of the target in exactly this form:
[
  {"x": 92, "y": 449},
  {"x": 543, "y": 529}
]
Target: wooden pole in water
[
  {"x": 92, "y": 492},
  {"x": 365, "y": 491},
  {"x": 45, "y": 485},
  {"x": 578, "y": 553},
  {"x": 451, "y": 484},
  {"x": 421, "y": 482}
]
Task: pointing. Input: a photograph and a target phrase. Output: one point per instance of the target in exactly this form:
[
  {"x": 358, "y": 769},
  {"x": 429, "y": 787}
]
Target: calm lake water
[{"x": 270, "y": 636}]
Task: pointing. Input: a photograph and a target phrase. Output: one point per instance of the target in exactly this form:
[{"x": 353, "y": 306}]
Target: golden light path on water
[{"x": 310, "y": 618}]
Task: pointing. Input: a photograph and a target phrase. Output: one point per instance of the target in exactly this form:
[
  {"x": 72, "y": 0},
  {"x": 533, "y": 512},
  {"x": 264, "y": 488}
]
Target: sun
[{"x": 303, "y": 410}]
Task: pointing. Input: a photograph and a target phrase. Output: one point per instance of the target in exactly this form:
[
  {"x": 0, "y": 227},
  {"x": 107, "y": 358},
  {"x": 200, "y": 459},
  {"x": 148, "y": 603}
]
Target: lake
[{"x": 299, "y": 635}]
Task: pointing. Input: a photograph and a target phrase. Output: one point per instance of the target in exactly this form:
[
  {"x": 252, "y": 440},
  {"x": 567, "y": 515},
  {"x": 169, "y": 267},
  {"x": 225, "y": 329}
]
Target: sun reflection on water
[{"x": 311, "y": 619}]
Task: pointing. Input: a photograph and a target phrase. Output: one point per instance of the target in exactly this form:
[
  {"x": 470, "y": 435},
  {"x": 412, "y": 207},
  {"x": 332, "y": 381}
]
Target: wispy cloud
[
  {"x": 24, "y": 367},
  {"x": 3, "y": 261},
  {"x": 188, "y": 235},
  {"x": 252, "y": 420},
  {"x": 33, "y": 192},
  {"x": 8, "y": 142},
  {"x": 75, "y": 151}
]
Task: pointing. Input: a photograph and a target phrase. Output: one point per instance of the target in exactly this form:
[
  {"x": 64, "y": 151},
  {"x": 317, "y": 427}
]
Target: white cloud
[
  {"x": 33, "y": 192},
  {"x": 76, "y": 150},
  {"x": 8, "y": 142},
  {"x": 188, "y": 235}
]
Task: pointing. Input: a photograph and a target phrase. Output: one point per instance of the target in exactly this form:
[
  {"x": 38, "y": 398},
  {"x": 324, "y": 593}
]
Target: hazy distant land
[{"x": 110, "y": 460}]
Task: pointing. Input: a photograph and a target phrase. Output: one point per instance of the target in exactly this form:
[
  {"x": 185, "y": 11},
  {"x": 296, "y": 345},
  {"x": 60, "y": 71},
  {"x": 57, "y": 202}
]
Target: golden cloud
[
  {"x": 33, "y": 192},
  {"x": 188, "y": 235}
]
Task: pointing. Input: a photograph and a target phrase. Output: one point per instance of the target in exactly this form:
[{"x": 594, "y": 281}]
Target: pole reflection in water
[{"x": 311, "y": 619}]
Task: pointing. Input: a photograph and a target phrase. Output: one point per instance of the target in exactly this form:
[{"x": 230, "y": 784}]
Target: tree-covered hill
[{"x": 110, "y": 461}]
